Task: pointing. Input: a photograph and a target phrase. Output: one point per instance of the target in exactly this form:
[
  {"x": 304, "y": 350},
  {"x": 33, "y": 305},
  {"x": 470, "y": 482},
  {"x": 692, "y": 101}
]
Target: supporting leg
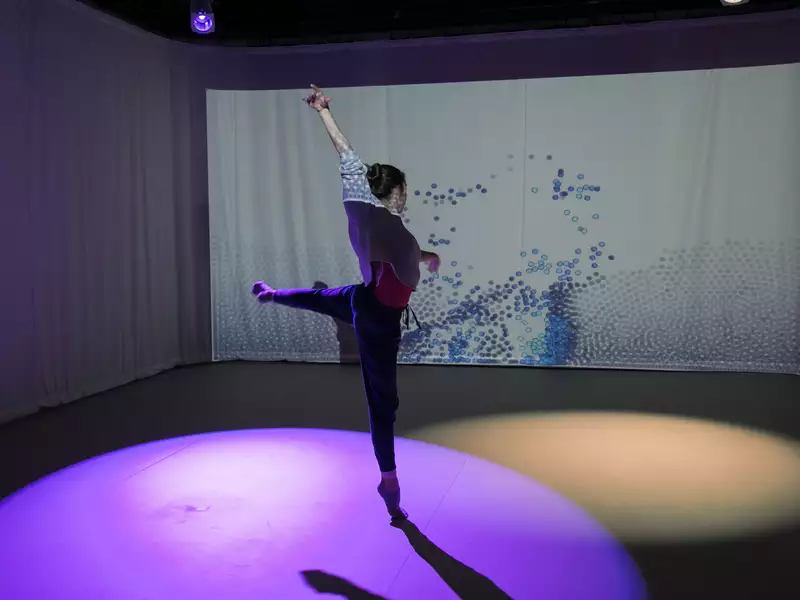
[
  {"x": 379, "y": 371},
  {"x": 379, "y": 341}
]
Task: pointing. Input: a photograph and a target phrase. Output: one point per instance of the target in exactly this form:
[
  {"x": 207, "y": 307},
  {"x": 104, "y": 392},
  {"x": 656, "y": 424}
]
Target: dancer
[{"x": 389, "y": 258}]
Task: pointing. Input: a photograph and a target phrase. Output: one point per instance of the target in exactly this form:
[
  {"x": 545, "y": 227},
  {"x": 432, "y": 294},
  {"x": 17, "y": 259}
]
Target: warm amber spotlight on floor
[{"x": 646, "y": 477}]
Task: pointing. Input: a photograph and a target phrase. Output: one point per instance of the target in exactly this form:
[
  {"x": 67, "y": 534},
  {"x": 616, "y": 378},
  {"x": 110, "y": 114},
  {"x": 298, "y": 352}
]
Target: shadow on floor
[
  {"x": 465, "y": 581},
  {"x": 325, "y": 583},
  {"x": 225, "y": 396}
]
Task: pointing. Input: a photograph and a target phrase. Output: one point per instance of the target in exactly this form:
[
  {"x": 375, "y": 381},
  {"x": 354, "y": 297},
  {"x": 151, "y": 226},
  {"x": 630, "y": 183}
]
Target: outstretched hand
[
  {"x": 316, "y": 99},
  {"x": 434, "y": 262}
]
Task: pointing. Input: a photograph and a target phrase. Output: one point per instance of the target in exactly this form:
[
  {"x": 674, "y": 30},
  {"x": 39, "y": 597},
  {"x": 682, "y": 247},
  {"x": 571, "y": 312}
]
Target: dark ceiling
[{"x": 271, "y": 23}]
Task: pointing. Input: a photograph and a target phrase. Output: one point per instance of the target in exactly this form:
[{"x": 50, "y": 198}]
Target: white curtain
[
  {"x": 671, "y": 241},
  {"x": 103, "y": 234}
]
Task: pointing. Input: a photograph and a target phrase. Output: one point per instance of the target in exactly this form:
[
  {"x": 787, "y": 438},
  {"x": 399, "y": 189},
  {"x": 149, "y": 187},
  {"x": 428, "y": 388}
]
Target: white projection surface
[{"x": 632, "y": 221}]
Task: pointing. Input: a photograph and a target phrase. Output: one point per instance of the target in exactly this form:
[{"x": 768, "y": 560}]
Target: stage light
[
  {"x": 733, "y": 2},
  {"x": 647, "y": 478},
  {"x": 202, "y": 16}
]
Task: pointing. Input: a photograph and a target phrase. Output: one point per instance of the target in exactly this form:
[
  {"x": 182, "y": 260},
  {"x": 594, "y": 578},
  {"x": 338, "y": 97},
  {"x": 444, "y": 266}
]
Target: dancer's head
[{"x": 388, "y": 184}]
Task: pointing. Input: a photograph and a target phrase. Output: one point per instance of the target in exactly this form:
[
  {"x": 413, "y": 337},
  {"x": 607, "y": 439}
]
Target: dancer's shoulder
[
  {"x": 355, "y": 186},
  {"x": 350, "y": 164}
]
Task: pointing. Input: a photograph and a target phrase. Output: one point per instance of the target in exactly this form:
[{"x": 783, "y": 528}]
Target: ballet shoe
[
  {"x": 262, "y": 292},
  {"x": 392, "y": 500}
]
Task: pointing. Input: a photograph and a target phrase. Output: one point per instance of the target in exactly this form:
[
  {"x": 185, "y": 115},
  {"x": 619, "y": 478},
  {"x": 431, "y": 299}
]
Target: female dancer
[{"x": 389, "y": 258}]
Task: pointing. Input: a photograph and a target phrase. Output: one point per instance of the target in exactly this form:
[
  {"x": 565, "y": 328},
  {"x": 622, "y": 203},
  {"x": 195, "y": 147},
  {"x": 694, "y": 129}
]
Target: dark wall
[{"x": 751, "y": 40}]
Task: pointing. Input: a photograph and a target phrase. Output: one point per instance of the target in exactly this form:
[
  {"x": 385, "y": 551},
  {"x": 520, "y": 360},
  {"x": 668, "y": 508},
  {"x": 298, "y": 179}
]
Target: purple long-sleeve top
[{"x": 377, "y": 234}]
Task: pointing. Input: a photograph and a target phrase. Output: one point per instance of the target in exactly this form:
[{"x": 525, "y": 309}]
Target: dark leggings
[{"x": 378, "y": 333}]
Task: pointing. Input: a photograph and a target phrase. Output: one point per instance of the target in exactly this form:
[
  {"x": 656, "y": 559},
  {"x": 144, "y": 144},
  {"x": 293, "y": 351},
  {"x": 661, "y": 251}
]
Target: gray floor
[{"x": 252, "y": 395}]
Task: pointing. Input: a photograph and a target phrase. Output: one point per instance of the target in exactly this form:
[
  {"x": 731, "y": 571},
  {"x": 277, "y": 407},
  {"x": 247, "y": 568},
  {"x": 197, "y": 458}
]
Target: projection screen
[{"x": 627, "y": 221}]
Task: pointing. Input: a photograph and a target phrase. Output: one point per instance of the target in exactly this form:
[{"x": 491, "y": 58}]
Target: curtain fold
[{"x": 104, "y": 241}]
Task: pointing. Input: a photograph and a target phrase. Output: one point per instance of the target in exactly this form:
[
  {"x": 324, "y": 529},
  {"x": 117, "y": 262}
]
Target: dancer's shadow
[
  {"x": 465, "y": 581},
  {"x": 325, "y": 583},
  {"x": 345, "y": 334}
]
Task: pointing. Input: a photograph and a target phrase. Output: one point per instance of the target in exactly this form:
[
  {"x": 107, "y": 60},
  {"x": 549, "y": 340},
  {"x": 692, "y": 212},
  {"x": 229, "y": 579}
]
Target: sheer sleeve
[{"x": 354, "y": 178}]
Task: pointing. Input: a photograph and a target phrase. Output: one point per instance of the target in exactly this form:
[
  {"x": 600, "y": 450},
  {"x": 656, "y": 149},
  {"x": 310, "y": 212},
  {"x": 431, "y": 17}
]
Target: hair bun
[{"x": 374, "y": 171}]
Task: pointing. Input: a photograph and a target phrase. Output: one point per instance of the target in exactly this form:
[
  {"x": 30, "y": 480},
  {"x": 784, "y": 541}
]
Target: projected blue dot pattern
[
  {"x": 469, "y": 323},
  {"x": 564, "y": 307},
  {"x": 646, "y": 318}
]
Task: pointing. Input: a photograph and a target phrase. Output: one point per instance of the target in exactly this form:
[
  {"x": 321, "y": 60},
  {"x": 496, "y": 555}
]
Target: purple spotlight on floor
[
  {"x": 244, "y": 514},
  {"x": 202, "y": 22}
]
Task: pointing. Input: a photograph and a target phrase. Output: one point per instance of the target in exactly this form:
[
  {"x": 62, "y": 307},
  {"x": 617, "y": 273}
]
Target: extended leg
[{"x": 333, "y": 302}]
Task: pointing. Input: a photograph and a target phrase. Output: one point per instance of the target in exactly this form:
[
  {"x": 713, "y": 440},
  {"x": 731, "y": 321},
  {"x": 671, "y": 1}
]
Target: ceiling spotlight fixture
[
  {"x": 733, "y": 2},
  {"x": 202, "y": 16}
]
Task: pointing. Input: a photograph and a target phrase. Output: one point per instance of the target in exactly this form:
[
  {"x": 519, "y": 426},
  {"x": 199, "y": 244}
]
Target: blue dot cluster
[
  {"x": 451, "y": 197},
  {"x": 576, "y": 191},
  {"x": 473, "y": 328},
  {"x": 469, "y": 323}
]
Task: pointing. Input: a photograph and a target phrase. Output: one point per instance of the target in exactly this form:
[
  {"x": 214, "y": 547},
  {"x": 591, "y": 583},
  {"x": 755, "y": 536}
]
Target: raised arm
[{"x": 320, "y": 102}]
